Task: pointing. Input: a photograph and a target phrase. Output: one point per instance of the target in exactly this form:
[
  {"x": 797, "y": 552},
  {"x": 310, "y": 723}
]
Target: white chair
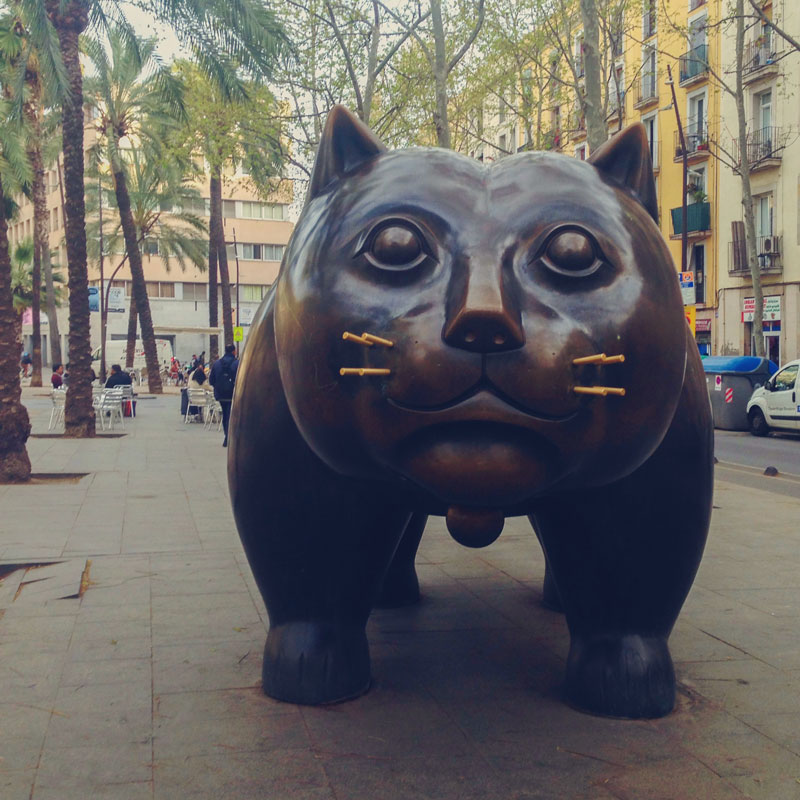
[
  {"x": 198, "y": 398},
  {"x": 59, "y": 397},
  {"x": 110, "y": 404},
  {"x": 214, "y": 413}
]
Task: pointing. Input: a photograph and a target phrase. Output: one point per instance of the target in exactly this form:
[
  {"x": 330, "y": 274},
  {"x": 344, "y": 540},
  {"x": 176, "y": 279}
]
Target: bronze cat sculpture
[{"x": 475, "y": 341}]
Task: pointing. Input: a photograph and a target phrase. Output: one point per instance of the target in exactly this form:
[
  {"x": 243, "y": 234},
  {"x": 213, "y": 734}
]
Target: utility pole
[
  {"x": 236, "y": 255},
  {"x": 102, "y": 287},
  {"x": 684, "y": 211}
]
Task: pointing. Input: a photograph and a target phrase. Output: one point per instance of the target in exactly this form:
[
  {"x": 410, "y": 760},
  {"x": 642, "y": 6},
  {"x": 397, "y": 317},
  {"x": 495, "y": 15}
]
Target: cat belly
[{"x": 480, "y": 464}]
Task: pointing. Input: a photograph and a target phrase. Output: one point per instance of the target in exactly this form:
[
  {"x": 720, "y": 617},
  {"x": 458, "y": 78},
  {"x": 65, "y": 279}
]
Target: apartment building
[
  {"x": 637, "y": 51},
  {"x": 771, "y": 77},
  {"x": 178, "y": 298}
]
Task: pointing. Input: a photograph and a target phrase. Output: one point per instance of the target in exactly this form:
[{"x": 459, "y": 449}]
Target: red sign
[
  {"x": 703, "y": 325},
  {"x": 729, "y": 395}
]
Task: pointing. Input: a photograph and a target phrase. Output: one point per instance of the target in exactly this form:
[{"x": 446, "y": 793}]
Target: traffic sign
[{"x": 238, "y": 334}]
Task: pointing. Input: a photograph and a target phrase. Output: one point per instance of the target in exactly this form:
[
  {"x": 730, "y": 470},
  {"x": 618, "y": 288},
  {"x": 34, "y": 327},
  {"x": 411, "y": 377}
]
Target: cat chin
[{"x": 480, "y": 465}]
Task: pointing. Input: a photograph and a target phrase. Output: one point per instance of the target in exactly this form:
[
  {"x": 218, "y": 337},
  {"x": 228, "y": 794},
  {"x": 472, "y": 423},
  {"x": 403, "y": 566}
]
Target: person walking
[{"x": 223, "y": 379}]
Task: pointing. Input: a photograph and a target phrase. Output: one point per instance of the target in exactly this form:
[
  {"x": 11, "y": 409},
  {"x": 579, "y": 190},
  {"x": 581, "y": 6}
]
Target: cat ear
[
  {"x": 625, "y": 158},
  {"x": 346, "y": 143}
]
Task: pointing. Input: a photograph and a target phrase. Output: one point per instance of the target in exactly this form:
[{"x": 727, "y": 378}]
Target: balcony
[
  {"x": 698, "y": 220},
  {"x": 764, "y": 148},
  {"x": 646, "y": 90},
  {"x": 577, "y": 125},
  {"x": 696, "y": 135},
  {"x": 695, "y": 4},
  {"x": 760, "y": 59},
  {"x": 615, "y": 102},
  {"x": 768, "y": 249},
  {"x": 694, "y": 65}
]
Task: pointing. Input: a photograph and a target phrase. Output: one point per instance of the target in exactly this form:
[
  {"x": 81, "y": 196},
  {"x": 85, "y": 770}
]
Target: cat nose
[{"x": 484, "y": 322}]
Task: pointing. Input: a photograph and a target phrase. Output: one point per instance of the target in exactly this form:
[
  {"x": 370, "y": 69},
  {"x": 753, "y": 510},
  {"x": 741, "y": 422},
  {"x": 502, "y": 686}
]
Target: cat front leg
[
  {"x": 401, "y": 586},
  {"x": 624, "y": 557}
]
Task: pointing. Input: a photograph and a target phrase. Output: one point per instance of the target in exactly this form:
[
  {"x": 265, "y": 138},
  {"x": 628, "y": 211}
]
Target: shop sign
[
  {"x": 691, "y": 317},
  {"x": 772, "y": 308},
  {"x": 687, "y": 287},
  {"x": 703, "y": 326}
]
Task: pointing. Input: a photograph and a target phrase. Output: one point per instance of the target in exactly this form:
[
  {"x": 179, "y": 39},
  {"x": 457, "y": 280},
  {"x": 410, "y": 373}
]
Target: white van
[
  {"x": 776, "y": 403},
  {"x": 116, "y": 350}
]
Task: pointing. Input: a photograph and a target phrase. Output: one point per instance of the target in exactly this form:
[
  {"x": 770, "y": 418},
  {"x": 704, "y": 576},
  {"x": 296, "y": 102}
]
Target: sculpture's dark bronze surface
[{"x": 468, "y": 293}]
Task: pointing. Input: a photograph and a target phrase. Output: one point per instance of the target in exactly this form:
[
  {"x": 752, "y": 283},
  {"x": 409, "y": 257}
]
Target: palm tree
[
  {"x": 14, "y": 422},
  {"x": 220, "y": 33},
  {"x": 132, "y": 107},
  {"x": 158, "y": 189}
]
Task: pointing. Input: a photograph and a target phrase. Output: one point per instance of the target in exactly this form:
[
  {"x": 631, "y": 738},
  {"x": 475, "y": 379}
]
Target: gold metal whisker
[
  {"x": 599, "y": 358},
  {"x": 352, "y": 337},
  {"x": 373, "y": 339},
  {"x": 600, "y": 391},
  {"x": 362, "y": 371}
]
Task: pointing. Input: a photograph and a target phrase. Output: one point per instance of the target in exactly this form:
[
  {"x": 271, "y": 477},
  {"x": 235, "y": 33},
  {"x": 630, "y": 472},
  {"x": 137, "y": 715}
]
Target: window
[
  {"x": 698, "y": 264},
  {"x": 156, "y": 289},
  {"x": 191, "y": 205},
  {"x": 649, "y": 85},
  {"x": 785, "y": 379},
  {"x": 150, "y": 247},
  {"x": 195, "y": 291},
  {"x": 580, "y": 152},
  {"x": 648, "y": 18},
  {"x": 764, "y": 212},
  {"x": 501, "y": 143},
  {"x": 251, "y": 293},
  {"x": 579, "y": 55},
  {"x": 650, "y": 129},
  {"x": 763, "y": 110},
  {"x": 228, "y": 208},
  {"x": 260, "y": 252}
]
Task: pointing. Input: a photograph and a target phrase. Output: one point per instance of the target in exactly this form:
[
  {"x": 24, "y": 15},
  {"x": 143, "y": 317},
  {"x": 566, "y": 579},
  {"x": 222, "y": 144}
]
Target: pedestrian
[
  {"x": 198, "y": 378},
  {"x": 25, "y": 362},
  {"x": 223, "y": 378},
  {"x": 55, "y": 378},
  {"x": 118, "y": 377}
]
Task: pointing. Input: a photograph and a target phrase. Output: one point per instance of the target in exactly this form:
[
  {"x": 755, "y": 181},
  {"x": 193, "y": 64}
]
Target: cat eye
[
  {"x": 395, "y": 245},
  {"x": 571, "y": 252}
]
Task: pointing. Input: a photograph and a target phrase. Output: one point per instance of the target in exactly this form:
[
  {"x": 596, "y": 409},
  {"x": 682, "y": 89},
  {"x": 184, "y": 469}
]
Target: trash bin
[
  {"x": 184, "y": 402},
  {"x": 731, "y": 381}
]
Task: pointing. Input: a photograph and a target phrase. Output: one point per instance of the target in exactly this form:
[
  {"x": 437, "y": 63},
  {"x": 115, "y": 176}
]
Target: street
[{"x": 779, "y": 450}]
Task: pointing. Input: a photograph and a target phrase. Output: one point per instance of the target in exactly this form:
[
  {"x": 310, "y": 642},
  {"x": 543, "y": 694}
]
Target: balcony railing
[
  {"x": 615, "y": 101},
  {"x": 696, "y": 135},
  {"x": 768, "y": 249},
  {"x": 759, "y": 54},
  {"x": 762, "y": 146},
  {"x": 694, "y": 64},
  {"x": 698, "y": 218},
  {"x": 647, "y": 89}
]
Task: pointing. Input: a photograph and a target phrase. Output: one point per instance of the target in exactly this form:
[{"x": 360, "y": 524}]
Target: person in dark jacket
[
  {"x": 118, "y": 377},
  {"x": 223, "y": 378}
]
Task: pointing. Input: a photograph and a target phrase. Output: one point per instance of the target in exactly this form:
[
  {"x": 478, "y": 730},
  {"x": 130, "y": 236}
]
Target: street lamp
[{"x": 684, "y": 212}]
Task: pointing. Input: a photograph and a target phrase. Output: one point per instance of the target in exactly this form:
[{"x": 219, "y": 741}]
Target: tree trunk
[
  {"x": 14, "y": 423},
  {"x": 213, "y": 300},
  {"x": 747, "y": 194},
  {"x": 130, "y": 350},
  {"x": 217, "y": 232},
  {"x": 40, "y": 234},
  {"x": 439, "y": 67},
  {"x": 596, "y": 132},
  {"x": 70, "y": 20},
  {"x": 139, "y": 290}
]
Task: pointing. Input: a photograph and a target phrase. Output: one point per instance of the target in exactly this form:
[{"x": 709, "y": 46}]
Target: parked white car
[{"x": 776, "y": 404}]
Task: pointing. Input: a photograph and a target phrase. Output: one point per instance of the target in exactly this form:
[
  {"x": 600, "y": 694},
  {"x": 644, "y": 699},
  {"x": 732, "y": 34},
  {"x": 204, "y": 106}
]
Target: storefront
[
  {"x": 702, "y": 334},
  {"x": 771, "y": 325}
]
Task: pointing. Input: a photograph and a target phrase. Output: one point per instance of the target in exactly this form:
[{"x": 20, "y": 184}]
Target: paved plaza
[{"x": 131, "y": 635}]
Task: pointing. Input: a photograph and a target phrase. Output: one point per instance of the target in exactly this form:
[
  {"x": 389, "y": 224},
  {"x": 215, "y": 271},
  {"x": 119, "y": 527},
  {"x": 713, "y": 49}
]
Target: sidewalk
[{"x": 131, "y": 668}]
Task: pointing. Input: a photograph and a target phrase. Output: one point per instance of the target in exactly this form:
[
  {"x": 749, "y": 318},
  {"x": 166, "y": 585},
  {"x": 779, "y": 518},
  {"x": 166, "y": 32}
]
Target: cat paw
[
  {"x": 315, "y": 663},
  {"x": 621, "y": 676},
  {"x": 400, "y": 588}
]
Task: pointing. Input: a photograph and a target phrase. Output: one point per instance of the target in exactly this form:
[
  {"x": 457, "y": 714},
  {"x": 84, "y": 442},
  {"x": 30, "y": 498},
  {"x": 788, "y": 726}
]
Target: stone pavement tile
[
  {"x": 682, "y": 779},
  {"x": 142, "y": 790},
  {"x": 111, "y": 670},
  {"x": 107, "y": 698},
  {"x": 88, "y": 727},
  {"x": 689, "y": 643},
  {"x": 22, "y": 731},
  {"x": 783, "y": 602},
  {"x": 68, "y": 768},
  {"x": 743, "y": 687},
  {"x": 109, "y": 649},
  {"x": 127, "y": 612},
  {"x": 782, "y": 728},
  {"x": 115, "y": 629},
  {"x": 135, "y": 590},
  {"x": 207, "y": 665},
  {"x": 172, "y": 627},
  {"x": 277, "y": 775},
  {"x": 43, "y": 633},
  {"x": 197, "y": 734},
  {"x": 15, "y": 784}
]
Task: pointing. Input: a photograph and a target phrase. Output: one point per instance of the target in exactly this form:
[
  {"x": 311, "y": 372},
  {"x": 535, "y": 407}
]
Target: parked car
[{"x": 776, "y": 404}]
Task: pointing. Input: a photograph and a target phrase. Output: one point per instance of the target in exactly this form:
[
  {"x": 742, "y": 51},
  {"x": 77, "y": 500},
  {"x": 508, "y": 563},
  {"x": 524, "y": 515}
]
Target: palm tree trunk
[
  {"x": 70, "y": 20},
  {"x": 217, "y": 234},
  {"x": 40, "y": 236},
  {"x": 137, "y": 280},
  {"x": 215, "y": 212},
  {"x": 130, "y": 350},
  {"x": 14, "y": 423}
]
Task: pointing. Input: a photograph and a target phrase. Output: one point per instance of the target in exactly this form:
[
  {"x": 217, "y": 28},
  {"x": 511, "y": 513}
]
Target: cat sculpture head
[{"x": 438, "y": 320}]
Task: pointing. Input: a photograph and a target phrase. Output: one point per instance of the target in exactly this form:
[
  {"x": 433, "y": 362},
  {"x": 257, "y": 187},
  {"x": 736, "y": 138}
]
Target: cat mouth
[{"x": 487, "y": 398}]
